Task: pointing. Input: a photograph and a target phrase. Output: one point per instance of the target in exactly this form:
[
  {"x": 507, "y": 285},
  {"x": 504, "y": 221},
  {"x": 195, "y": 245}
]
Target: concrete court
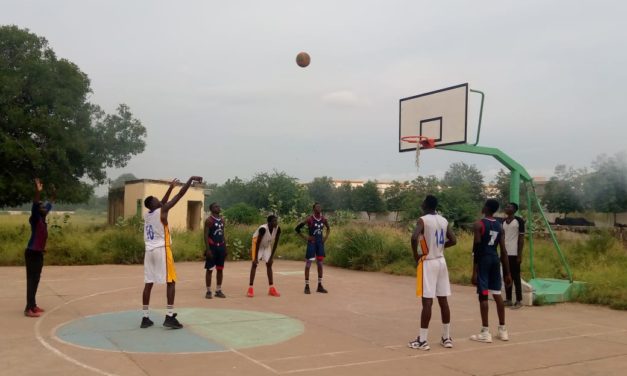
[{"x": 360, "y": 328}]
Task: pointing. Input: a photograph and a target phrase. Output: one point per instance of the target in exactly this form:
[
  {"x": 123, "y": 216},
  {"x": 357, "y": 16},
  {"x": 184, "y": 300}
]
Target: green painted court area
[{"x": 205, "y": 330}]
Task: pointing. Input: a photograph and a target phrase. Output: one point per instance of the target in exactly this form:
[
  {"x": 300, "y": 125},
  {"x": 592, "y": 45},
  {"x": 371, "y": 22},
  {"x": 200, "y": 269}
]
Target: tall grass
[{"x": 597, "y": 259}]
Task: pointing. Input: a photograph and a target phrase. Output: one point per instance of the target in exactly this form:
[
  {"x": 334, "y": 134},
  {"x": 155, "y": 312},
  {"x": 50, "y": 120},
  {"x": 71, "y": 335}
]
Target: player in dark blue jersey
[
  {"x": 215, "y": 250},
  {"x": 486, "y": 273},
  {"x": 316, "y": 223}
]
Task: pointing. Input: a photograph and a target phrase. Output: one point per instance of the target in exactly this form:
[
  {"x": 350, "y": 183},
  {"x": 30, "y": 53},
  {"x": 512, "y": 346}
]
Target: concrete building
[
  {"x": 128, "y": 201},
  {"x": 381, "y": 185}
]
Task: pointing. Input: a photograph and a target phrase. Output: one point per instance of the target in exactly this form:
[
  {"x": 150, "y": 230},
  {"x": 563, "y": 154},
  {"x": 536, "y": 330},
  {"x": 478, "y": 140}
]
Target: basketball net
[{"x": 417, "y": 157}]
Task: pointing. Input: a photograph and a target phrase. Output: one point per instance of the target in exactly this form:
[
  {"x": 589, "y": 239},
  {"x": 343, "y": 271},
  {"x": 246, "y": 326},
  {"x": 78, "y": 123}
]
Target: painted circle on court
[{"x": 204, "y": 330}]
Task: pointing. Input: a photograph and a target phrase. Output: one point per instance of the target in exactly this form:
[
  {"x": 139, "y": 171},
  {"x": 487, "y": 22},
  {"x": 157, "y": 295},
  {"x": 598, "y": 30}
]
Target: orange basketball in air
[{"x": 303, "y": 59}]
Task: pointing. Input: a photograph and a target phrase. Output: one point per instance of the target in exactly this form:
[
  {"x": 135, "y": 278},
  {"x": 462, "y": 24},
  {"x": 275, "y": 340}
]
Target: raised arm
[
  {"x": 420, "y": 226},
  {"x": 39, "y": 186},
  {"x": 166, "y": 197},
  {"x": 168, "y": 205}
]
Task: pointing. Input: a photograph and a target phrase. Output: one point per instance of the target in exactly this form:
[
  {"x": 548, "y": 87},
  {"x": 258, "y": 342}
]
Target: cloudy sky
[{"x": 216, "y": 85}]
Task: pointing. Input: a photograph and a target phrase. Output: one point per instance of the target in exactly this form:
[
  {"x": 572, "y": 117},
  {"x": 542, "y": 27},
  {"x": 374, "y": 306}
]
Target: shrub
[{"x": 242, "y": 214}]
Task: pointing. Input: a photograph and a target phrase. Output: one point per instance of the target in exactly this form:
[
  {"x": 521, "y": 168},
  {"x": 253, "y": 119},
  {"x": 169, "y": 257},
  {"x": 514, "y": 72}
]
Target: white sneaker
[
  {"x": 447, "y": 343},
  {"x": 482, "y": 337},
  {"x": 419, "y": 345},
  {"x": 503, "y": 335}
]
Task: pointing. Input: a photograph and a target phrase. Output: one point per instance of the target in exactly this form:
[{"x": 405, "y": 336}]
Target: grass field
[{"x": 84, "y": 239}]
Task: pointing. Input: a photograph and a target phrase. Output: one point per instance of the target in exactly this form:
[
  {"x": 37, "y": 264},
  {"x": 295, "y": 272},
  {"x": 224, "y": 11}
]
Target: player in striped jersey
[
  {"x": 264, "y": 244},
  {"x": 158, "y": 259},
  {"x": 433, "y": 233}
]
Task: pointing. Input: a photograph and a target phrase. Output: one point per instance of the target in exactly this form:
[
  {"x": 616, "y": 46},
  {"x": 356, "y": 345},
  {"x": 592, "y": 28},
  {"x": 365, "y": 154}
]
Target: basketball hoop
[{"x": 421, "y": 142}]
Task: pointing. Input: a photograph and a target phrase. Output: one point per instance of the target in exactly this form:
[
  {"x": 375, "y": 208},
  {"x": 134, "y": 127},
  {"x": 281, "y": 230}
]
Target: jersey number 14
[{"x": 439, "y": 236}]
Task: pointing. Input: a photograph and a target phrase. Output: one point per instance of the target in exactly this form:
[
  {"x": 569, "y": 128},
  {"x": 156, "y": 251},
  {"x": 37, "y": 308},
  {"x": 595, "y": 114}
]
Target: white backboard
[{"x": 441, "y": 115}]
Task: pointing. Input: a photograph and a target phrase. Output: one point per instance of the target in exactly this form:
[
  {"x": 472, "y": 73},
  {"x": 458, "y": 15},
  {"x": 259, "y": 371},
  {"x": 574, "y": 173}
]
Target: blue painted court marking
[{"x": 205, "y": 330}]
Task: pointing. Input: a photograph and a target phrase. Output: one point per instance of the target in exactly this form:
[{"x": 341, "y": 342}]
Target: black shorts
[
  {"x": 489, "y": 274},
  {"x": 218, "y": 254}
]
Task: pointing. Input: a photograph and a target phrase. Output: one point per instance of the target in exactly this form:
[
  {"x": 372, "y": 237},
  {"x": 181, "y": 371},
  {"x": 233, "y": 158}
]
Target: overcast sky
[{"x": 216, "y": 85}]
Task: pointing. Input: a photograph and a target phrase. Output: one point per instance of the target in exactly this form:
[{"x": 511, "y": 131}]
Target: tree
[
  {"x": 368, "y": 198},
  {"x": 322, "y": 190},
  {"x": 279, "y": 192},
  {"x": 458, "y": 206},
  {"x": 502, "y": 182},
  {"x": 49, "y": 130},
  {"x": 119, "y": 182},
  {"x": 233, "y": 191},
  {"x": 344, "y": 197},
  {"x": 606, "y": 187},
  {"x": 418, "y": 189},
  {"x": 468, "y": 176},
  {"x": 396, "y": 196},
  {"x": 564, "y": 191}
]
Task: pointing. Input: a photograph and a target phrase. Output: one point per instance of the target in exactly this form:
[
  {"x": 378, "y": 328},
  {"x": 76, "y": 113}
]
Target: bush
[
  {"x": 124, "y": 246},
  {"x": 242, "y": 214}
]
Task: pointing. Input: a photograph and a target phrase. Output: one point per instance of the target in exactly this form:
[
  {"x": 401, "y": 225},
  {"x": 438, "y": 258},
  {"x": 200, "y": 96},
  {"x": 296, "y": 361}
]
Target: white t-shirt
[
  {"x": 434, "y": 235},
  {"x": 268, "y": 238},
  {"x": 512, "y": 230}
]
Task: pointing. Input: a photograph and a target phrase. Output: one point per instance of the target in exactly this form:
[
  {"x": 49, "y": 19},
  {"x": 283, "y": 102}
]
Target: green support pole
[
  {"x": 529, "y": 229},
  {"x": 517, "y": 170},
  {"x": 553, "y": 238}
]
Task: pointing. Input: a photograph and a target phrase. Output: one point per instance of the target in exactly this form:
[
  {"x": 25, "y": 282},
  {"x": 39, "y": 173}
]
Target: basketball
[{"x": 303, "y": 59}]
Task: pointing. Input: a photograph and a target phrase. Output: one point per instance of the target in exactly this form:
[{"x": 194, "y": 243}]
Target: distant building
[
  {"x": 381, "y": 185},
  {"x": 128, "y": 201}
]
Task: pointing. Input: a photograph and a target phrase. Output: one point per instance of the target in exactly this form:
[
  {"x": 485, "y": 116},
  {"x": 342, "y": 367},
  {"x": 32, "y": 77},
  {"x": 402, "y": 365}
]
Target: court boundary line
[{"x": 480, "y": 348}]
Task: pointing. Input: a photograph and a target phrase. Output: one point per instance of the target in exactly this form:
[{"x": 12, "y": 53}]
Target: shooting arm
[
  {"x": 168, "y": 205},
  {"x": 166, "y": 197},
  {"x": 38, "y": 188}
]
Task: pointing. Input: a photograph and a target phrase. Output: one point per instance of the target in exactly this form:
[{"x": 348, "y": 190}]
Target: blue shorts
[
  {"x": 489, "y": 275},
  {"x": 218, "y": 257},
  {"x": 315, "y": 250}
]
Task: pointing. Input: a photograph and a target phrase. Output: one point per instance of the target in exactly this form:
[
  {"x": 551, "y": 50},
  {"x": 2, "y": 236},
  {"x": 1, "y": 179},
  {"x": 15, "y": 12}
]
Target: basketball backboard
[{"x": 441, "y": 115}]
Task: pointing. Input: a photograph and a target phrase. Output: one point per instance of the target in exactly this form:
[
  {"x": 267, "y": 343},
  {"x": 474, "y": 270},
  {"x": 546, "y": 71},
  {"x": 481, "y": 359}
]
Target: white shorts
[
  {"x": 159, "y": 266},
  {"x": 432, "y": 278},
  {"x": 264, "y": 254}
]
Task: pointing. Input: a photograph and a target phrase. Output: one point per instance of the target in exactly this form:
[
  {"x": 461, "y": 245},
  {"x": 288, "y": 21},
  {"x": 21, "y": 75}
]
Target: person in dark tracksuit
[{"x": 34, "y": 253}]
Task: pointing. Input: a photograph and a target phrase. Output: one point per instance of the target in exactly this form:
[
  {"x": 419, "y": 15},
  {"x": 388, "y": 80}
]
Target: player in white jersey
[
  {"x": 158, "y": 259},
  {"x": 433, "y": 234},
  {"x": 264, "y": 244}
]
